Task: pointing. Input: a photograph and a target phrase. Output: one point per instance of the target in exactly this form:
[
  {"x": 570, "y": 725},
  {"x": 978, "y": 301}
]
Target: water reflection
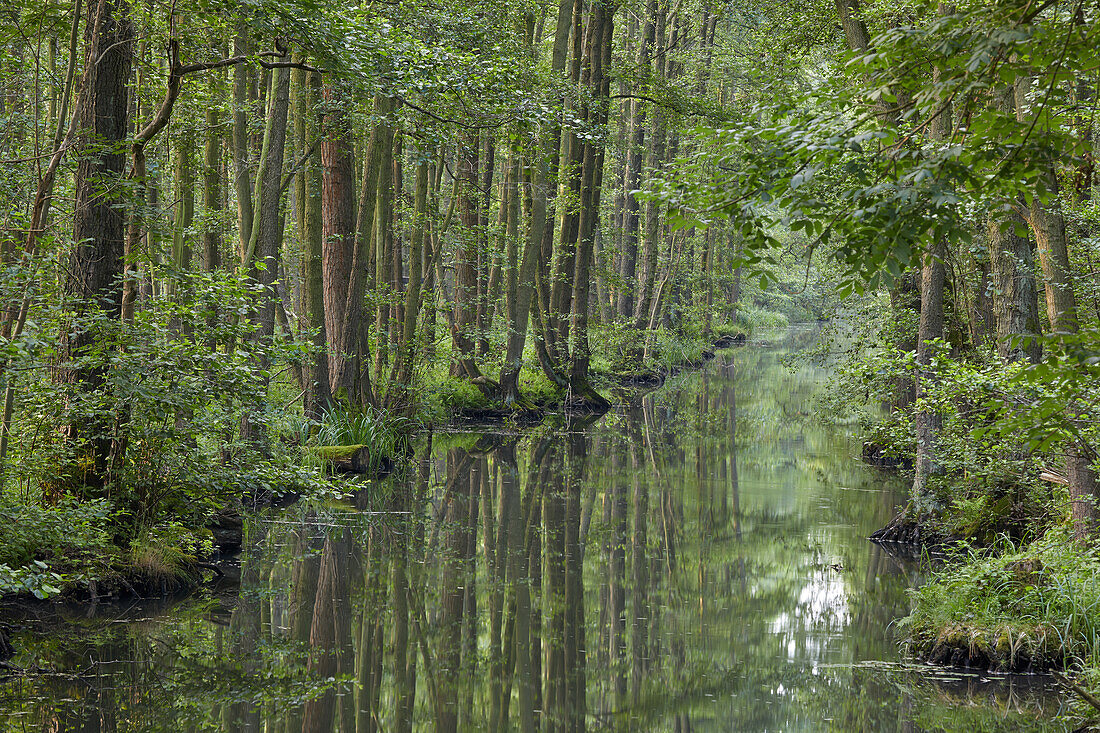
[{"x": 693, "y": 561}]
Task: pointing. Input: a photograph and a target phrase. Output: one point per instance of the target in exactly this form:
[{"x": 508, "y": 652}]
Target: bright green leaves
[{"x": 854, "y": 162}]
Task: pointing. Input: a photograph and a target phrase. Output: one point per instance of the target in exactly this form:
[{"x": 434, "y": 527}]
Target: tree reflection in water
[{"x": 693, "y": 560}]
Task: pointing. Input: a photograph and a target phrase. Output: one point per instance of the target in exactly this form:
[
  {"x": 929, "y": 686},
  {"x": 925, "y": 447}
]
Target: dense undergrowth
[
  {"x": 1019, "y": 590},
  {"x": 1013, "y": 607},
  {"x": 157, "y": 529}
]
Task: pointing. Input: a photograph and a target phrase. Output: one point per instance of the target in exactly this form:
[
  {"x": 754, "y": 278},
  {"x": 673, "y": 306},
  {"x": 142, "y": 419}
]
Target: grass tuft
[{"x": 1034, "y": 605}]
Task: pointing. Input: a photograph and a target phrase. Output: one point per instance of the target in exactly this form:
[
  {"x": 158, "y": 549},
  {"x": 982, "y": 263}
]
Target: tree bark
[
  {"x": 655, "y": 158},
  {"x": 94, "y": 273},
  {"x": 263, "y": 253},
  {"x": 1049, "y": 226},
  {"x": 400, "y": 387},
  {"x": 242, "y": 179},
  {"x": 338, "y": 235},
  {"x": 601, "y": 28},
  {"x": 212, "y": 196},
  {"x": 624, "y": 304},
  {"x": 927, "y": 421},
  {"x": 466, "y": 272},
  {"x": 1015, "y": 299},
  {"x": 308, "y": 188}
]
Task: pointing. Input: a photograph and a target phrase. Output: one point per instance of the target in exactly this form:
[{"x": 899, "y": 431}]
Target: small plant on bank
[
  {"x": 36, "y": 579},
  {"x": 384, "y": 433},
  {"x": 168, "y": 551}
]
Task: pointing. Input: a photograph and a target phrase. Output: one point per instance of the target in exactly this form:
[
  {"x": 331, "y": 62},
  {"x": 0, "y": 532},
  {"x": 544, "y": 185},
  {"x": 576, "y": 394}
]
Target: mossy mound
[{"x": 1009, "y": 608}]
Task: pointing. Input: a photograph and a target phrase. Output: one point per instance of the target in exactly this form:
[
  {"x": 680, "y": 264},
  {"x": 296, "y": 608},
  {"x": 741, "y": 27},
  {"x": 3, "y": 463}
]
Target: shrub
[{"x": 168, "y": 550}]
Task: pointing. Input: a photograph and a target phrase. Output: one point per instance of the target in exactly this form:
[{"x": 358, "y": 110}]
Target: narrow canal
[{"x": 694, "y": 561}]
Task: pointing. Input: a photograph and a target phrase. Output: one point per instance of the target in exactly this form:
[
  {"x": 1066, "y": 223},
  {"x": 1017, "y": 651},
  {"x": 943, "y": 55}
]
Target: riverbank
[
  {"x": 1028, "y": 607},
  {"x": 71, "y": 555},
  {"x": 1010, "y": 590},
  {"x": 615, "y": 385},
  {"x": 709, "y": 540}
]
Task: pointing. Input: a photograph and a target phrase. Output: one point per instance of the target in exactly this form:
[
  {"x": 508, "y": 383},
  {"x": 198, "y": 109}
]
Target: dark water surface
[{"x": 696, "y": 561}]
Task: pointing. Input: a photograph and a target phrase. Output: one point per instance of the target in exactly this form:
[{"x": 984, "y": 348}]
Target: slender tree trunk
[
  {"x": 1015, "y": 300},
  {"x": 212, "y": 196},
  {"x": 263, "y": 253},
  {"x": 242, "y": 179},
  {"x": 655, "y": 158},
  {"x": 466, "y": 273},
  {"x": 1049, "y": 225},
  {"x": 367, "y": 250},
  {"x": 632, "y": 180},
  {"x": 928, "y": 421},
  {"x": 182, "y": 250},
  {"x": 601, "y": 27},
  {"x": 545, "y": 344},
  {"x": 384, "y": 285},
  {"x": 307, "y": 194},
  {"x": 401, "y": 383}
]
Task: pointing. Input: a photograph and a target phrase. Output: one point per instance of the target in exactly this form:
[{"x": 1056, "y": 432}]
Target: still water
[{"x": 696, "y": 560}]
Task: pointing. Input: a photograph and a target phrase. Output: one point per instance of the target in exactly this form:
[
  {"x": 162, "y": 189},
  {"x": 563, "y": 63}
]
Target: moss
[
  {"x": 1012, "y": 608},
  {"x": 336, "y": 452}
]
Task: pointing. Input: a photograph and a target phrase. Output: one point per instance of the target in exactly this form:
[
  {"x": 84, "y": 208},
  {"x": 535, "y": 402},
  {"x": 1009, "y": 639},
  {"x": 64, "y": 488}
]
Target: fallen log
[{"x": 346, "y": 458}]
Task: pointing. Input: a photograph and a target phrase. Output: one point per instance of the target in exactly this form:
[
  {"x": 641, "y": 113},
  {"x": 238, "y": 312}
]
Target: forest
[{"x": 248, "y": 248}]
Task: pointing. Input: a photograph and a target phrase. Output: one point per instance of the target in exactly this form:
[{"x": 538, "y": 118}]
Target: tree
[{"x": 93, "y": 280}]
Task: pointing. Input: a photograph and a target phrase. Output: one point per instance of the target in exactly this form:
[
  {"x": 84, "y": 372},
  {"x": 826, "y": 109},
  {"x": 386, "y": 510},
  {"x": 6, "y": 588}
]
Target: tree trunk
[
  {"x": 401, "y": 384},
  {"x": 366, "y": 253},
  {"x": 338, "y": 235},
  {"x": 263, "y": 253},
  {"x": 1015, "y": 300},
  {"x": 308, "y": 192},
  {"x": 94, "y": 272},
  {"x": 632, "y": 180},
  {"x": 466, "y": 274},
  {"x": 182, "y": 250},
  {"x": 601, "y": 27},
  {"x": 212, "y": 197},
  {"x": 927, "y": 421},
  {"x": 655, "y": 158},
  {"x": 1049, "y": 226},
  {"x": 242, "y": 179}
]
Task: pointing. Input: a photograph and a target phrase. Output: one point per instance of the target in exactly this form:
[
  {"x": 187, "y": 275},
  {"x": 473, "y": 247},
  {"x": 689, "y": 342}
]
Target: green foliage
[
  {"x": 384, "y": 433},
  {"x": 168, "y": 550},
  {"x": 447, "y": 395},
  {"x": 1039, "y": 602},
  {"x": 537, "y": 387},
  {"x": 852, "y": 160},
  {"x": 63, "y": 533},
  {"x": 44, "y": 548},
  {"x": 753, "y": 319},
  {"x": 35, "y": 579}
]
